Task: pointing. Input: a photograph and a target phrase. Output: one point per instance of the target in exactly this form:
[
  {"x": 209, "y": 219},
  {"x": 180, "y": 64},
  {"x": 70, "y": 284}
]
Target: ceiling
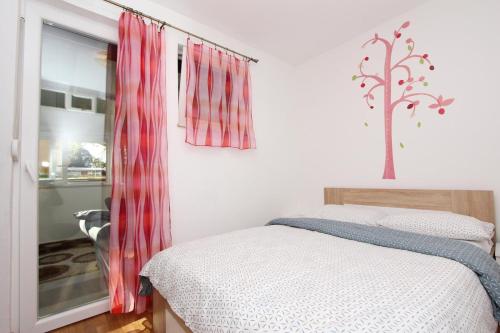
[{"x": 291, "y": 30}]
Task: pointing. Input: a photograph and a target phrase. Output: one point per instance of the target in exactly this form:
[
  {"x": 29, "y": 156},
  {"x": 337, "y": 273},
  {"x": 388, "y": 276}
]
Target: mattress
[{"x": 282, "y": 279}]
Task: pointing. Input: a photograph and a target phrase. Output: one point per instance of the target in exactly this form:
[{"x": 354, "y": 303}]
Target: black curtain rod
[{"x": 163, "y": 23}]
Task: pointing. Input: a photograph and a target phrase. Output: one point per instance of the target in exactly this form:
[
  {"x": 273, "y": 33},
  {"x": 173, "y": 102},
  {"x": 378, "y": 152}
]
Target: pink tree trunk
[{"x": 389, "y": 160}]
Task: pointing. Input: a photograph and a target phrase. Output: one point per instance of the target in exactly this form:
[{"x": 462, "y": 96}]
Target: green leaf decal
[
  {"x": 401, "y": 145},
  {"x": 409, "y": 47},
  {"x": 426, "y": 84},
  {"x": 366, "y": 124},
  {"x": 419, "y": 124},
  {"x": 354, "y": 77},
  {"x": 421, "y": 61}
]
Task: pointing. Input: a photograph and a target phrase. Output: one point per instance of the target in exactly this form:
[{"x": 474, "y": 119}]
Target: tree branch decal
[{"x": 409, "y": 86}]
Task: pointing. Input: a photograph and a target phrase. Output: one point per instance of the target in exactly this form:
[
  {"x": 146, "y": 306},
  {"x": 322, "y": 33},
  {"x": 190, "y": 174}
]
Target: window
[
  {"x": 78, "y": 74},
  {"x": 81, "y": 103},
  {"x": 86, "y": 161},
  {"x": 82, "y": 161},
  {"x": 51, "y": 98},
  {"x": 101, "y": 105}
]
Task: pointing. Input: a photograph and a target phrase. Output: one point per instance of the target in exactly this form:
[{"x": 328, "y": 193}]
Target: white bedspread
[{"x": 281, "y": 279}]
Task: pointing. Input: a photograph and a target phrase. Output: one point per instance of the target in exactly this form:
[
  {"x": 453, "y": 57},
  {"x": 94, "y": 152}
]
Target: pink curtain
[
  {"x": 218, "y": 99},
  {"x": 140, "y": 212}
]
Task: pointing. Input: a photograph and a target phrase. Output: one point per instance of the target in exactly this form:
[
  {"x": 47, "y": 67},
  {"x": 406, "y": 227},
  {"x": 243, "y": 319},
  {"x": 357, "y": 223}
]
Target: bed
[{"x": 281, "y": 279}]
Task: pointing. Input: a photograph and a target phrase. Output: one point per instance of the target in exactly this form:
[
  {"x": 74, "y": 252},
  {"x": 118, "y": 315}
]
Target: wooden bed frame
[{"x": 478, "y": 204}]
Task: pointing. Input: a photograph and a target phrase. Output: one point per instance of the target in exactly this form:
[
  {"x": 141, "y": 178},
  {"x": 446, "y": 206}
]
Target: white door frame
[{"x": 63, "y": 14}]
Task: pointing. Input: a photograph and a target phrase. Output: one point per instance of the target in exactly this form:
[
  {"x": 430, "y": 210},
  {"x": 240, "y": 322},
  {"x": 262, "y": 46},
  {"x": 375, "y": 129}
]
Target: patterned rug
[{"x": 58, "y": 260}]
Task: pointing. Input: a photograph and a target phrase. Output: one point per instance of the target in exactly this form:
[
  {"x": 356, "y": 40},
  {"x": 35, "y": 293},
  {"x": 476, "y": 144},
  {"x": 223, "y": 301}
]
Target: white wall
[
  {"x": 456, "y": 151},
  {"x": 63, "y": 50},
  {"x": 72, "y": 126}
]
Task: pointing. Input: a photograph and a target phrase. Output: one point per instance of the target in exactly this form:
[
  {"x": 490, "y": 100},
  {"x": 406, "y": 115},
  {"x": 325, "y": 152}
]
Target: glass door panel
[{"x": 77, "y": 91}]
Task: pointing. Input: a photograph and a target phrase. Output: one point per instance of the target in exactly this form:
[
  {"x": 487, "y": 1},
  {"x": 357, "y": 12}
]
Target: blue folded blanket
[{"x": 480, "y": 262}]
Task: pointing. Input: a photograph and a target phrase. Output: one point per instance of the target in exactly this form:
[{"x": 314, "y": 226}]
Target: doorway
[{"x": 66, "y": 140}]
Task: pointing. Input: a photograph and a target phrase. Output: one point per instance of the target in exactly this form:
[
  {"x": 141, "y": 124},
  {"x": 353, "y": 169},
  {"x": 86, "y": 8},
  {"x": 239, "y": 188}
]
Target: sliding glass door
[
  {"x": 74, "y": 140},
  {"x": 67, "y": 131}
]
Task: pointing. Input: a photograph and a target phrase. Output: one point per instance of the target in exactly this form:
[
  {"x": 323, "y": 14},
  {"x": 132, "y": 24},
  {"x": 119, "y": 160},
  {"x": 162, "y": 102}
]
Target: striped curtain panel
[
  {"x": 218, "y": 99},
  {"x": 140, "y": 212}
]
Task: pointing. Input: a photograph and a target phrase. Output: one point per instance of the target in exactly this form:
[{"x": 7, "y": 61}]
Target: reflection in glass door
[{"x": 74, "y": 148}]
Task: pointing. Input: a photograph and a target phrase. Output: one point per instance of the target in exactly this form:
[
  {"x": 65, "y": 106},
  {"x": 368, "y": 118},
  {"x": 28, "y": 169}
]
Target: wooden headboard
[{"x": 478, "y": 204}]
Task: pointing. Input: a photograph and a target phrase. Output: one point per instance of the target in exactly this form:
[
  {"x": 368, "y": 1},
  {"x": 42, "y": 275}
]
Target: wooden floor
[{"x": 130, "y": 323}]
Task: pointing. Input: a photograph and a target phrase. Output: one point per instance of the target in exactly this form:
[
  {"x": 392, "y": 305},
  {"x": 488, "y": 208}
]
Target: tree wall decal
[{"x": 407, "y": 84}]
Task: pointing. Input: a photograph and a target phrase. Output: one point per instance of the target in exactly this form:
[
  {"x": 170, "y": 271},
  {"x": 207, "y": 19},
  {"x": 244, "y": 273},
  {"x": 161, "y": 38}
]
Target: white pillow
[
  {"x": 354, "y": 214},
  {"x": 484, "y": 244},
  {"x": 442, "y": 224}
]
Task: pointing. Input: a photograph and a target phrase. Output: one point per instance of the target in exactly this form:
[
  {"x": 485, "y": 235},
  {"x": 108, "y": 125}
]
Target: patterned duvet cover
[{"x": 287, "y": 279}]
